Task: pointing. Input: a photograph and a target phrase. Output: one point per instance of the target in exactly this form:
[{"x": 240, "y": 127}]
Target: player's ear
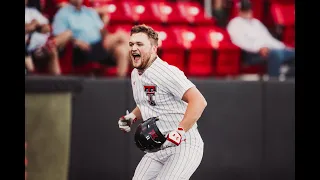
[{"x": 154, "y": 48}]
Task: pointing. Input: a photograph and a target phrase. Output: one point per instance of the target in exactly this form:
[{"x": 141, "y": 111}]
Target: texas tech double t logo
[{"x": 150, "y": 92}]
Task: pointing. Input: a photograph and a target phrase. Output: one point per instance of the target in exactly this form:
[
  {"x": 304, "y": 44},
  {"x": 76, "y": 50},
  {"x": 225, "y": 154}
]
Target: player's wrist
[
  {"x": 181, "y": 131},
  {"x": 132, "y": 117}
]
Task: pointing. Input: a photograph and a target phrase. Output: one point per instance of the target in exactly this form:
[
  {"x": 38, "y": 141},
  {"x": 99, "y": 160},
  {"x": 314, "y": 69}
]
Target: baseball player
[{"x": 163, "y": 91}]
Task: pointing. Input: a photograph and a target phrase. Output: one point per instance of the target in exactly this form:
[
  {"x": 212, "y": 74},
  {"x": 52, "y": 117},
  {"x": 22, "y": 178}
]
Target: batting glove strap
[
  {"x": 126, "y": 121},
  {"x": 131, "y": 117},
  {"x": 176, "y": 136}
]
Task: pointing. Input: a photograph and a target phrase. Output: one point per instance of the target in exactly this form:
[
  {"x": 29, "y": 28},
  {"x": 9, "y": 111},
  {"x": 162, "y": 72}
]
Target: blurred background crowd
[{"x": 204, "y": 38}]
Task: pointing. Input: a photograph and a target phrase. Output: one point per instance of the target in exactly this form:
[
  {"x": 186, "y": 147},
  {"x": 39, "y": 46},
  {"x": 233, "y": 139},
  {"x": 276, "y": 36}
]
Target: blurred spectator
[
  {"x": 41, "y": 53},
  {"x": 91, "y": 40},
  {"x": 221, "y": 12},
  {"x": 37, "y": 32},
  {"x": 50, "y": 7},
  {"x": 257, "y": 43},
  {"x": 35, "y": 4}
]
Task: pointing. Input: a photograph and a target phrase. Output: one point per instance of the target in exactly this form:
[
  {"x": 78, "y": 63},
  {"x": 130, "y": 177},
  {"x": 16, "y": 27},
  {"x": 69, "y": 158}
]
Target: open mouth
[{"x": 136, "y": 57}]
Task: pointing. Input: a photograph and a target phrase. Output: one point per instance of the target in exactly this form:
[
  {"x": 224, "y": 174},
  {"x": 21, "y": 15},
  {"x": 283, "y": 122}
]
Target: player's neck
[{"x": 151, "y": 60}]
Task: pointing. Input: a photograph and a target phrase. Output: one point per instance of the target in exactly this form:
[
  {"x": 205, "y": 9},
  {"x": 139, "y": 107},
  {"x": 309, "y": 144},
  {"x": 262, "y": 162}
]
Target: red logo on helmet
[{"x": 153, "y": 134}]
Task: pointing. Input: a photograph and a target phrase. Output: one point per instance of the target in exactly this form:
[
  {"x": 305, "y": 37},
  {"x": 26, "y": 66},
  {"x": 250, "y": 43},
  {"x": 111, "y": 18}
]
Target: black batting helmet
[{"x": 148, "y": 137}]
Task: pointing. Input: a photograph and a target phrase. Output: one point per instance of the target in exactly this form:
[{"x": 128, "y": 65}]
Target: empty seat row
[
  {"x": 155, "y": 12},
  {"x": 198, "y": 51}
]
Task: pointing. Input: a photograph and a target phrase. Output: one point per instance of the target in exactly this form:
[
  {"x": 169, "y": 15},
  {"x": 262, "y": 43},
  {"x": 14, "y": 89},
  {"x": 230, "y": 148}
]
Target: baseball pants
[{"x": 172, "y": 163}]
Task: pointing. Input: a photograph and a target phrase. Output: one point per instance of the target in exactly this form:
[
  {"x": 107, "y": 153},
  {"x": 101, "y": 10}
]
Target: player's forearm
[
  {"x": 194, "y": 111},
  {"x": 137, "y": 113}
]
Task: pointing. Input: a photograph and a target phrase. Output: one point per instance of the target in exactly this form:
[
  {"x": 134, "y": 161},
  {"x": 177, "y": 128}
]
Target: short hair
[
  {"x": 245, "y": 5},
  {"x": 152, "y": 34}
]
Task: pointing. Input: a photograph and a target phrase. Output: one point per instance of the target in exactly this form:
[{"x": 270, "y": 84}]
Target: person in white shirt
[
  {"x": 41, "y": 51},
  {"x": 257, "y": 43}
]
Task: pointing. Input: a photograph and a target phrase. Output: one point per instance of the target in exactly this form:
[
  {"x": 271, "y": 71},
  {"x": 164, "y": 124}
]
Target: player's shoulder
[
  {"x": 165, "y": 67},
  {"x": 162, "y": 71}
]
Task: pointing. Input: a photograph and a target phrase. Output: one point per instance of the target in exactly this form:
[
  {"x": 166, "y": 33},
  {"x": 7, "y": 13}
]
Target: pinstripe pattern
[{"x": 175, "y": 162}]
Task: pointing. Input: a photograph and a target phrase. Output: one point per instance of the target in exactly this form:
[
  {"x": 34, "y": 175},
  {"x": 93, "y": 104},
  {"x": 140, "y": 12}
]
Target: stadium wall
[{"x": 248, "y": 128}]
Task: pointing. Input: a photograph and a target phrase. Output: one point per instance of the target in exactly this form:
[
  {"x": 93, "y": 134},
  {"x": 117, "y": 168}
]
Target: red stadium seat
[
  {"x": 210, "y": 51},
  {"x": 67, "y": 67},
  {"x": 226, "y": 55},
  {"x": 143, "y": 13},
  {"x": 117, "y": 27},
  {"x": 66, "y": 60},
  {"x": 169, "y": 50},
  {"x": 283, "y": 14},
  {"x": 119, "y": 12},
  {"x": 199, "y": 52},
  {"x": 284, "y": 17},
  {"x": 194, "y": 13},
  {"x": 167, "y": 12}
]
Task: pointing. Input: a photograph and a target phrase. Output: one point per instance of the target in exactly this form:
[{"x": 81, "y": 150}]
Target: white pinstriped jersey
[{"x": 158, "y": 93}]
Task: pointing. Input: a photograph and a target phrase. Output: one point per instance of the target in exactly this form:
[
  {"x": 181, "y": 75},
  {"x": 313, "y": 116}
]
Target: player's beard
[{"x": 144, "y": 59}]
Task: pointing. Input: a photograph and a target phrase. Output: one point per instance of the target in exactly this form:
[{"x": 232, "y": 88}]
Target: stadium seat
[
  {"x": 198, "y": 57},
  {"x": 194, "y": 13},
  {"x": 168, "y": 13},
  {"x": 68, "y": 68},
  {"x": 119, "y": 12},
  {"x": 143, "y": 13},
  {"x": 66, "y": 60},
  {"x": 284, "y": 19},
  {"x": 226, "y": 56},
  {"x": 169, "y": 50},
  {"x": 116, "y": 27},
  {"x": 209, "y": 51}
]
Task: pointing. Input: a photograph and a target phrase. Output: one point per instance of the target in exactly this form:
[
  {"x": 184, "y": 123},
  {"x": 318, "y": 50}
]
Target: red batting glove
[
  {"x": 126, "y": 121},
  {"x": 174, "y": 138}
]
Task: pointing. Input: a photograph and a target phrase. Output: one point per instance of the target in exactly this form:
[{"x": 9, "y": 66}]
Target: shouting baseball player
[{"x": 169, "y": 106}]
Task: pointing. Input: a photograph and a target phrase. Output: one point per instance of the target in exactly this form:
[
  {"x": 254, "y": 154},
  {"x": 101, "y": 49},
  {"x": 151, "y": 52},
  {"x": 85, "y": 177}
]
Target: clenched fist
[{"x": 126, "y": 121}]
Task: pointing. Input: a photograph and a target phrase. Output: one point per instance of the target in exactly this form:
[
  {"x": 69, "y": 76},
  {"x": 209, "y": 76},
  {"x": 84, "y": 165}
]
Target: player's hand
[
  {"x": 126, "y": 121},
  {"x": 174, "y": 138}
]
